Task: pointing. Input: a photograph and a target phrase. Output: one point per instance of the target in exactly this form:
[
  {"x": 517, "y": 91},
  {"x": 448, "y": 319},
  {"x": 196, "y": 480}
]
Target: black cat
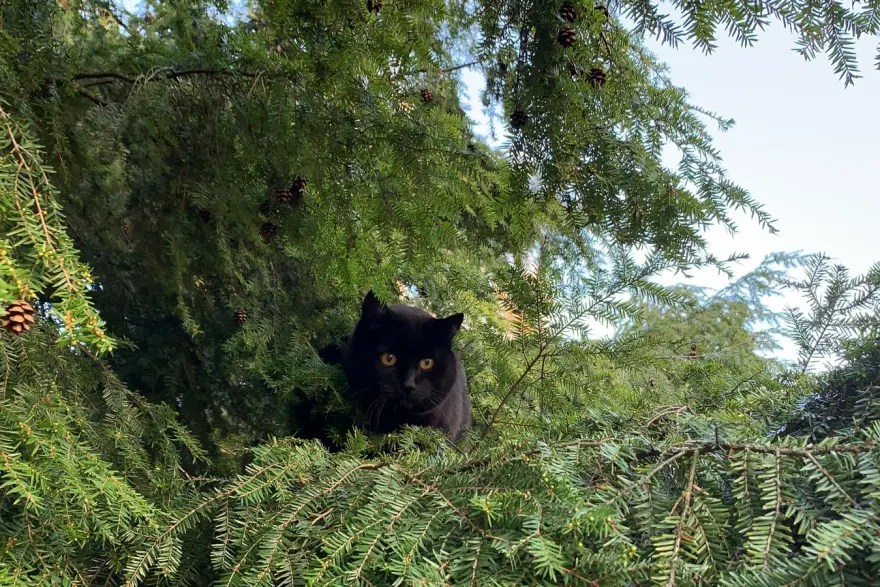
[{"x": 401, "y": 369}]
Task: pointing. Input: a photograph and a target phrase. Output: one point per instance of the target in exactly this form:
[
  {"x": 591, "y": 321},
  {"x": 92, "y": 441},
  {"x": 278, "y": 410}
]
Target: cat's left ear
[{"x": 450, "y": 325}]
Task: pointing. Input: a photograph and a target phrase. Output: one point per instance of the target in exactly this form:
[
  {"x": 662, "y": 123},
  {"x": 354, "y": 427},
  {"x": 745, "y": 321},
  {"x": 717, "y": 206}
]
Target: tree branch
[
  {"x": 175, "y": 74},
  {"x": 462, "y": 66},
  {"x": 455, "y": 67}
]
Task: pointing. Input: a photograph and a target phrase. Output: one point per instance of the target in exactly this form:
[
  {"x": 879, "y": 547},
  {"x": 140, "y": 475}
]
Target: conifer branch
[
  {"x": 172, "y": 74},
  {"x": 777, "y": 507},
  {"x": 23, "y": 167},
  {"x": 832, "y": 480},
  {"x": 685, "y": 501},
  {"x": 93, "y": 98},
  {"x": 452, "y": 68},
  {"x": 513, "y": 388}
]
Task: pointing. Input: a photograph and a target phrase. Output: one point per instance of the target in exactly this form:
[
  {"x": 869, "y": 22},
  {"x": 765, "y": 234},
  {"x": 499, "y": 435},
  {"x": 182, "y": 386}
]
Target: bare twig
[
  {"x": 686, "y": 497},
  {"x": 93, "y": 98},
  {"x": 104, "y": 77},
  {"x": 668, "y": 410}
]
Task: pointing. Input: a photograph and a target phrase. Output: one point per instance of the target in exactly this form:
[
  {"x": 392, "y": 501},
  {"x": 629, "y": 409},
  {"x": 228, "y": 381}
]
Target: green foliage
[
  {"x": 846, "y": 396},
  {"x": 213, "y": 446},
  {"x": 593, "y": 510},
  {"x": 842, "y": 311},
  {"x": 36, "y": 254},
  {"x": 86, "y": 465}
]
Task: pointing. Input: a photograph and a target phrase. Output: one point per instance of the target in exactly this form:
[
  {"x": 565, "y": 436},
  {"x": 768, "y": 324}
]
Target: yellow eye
[
  {"x": 426, "y": 364},
  {"x": 388, "y": 359}
]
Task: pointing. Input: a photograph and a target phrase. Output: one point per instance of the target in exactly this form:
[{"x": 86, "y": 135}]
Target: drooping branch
[{"x": 172, "y": 74}]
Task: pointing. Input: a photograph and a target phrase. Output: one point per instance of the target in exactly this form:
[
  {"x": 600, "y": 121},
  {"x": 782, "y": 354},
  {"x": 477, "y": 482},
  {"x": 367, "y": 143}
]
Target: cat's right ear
[
  {"x": 449, "y": 326},
  {"x": 371, "y": 305}
]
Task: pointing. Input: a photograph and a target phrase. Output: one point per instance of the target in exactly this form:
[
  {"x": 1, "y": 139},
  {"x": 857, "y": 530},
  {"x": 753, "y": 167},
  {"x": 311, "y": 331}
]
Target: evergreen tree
[{"x": 207, "y": 193}]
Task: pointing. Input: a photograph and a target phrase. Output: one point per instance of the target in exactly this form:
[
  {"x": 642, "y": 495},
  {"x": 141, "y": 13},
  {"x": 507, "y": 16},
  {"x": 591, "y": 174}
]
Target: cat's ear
[
  {"x": 371, "y": 305},
  {"x": 448, "y": 327}
]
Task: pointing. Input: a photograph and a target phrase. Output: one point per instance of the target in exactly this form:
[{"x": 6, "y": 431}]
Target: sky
[{"x": 803, "y": 145}]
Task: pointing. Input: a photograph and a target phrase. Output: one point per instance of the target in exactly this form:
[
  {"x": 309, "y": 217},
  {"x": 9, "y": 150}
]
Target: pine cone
[
  {"x": 126, "y": 228},
  {"x": 567, "y": 37},
  {"x": 299, "y": 186},
  {"x": 596, "y": 77},
  {"x": 19, "y": 317},
  {"x": 427, "y": 96},
  {"x": 518, "y": 119},
  {"x": 268, "y": 231},
  {"x": 568, "y": 13},
  {"x": 374, "y": 5},
  {"x": 283, "y": 196},
  {"x": 240, "y": 316},
  {"x": 292, "y": 194}
]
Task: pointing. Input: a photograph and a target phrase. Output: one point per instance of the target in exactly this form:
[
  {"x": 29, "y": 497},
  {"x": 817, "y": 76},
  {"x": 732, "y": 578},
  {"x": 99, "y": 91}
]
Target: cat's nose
[{"x": 409, "y": 384}]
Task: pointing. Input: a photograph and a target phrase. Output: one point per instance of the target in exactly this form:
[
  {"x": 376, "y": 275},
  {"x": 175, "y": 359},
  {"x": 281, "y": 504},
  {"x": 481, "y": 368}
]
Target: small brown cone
[
  {"x": 568, "y": 12},
  {"x": 240, "y": 316},
  {"x": 18, "y": 318},
  {"x": 427, "y": 96},
  {"x": 298, "y": 187},
  {"x": 291, "y": 195},
  {"x": 597, "y": 77},
  {"x": 567, "y": 37},
  {"x": 283, "y": 196}
]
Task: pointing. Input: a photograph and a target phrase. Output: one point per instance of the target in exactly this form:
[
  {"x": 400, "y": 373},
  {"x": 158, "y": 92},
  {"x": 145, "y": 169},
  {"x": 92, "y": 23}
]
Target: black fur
[{"x": 389, "y": 397}]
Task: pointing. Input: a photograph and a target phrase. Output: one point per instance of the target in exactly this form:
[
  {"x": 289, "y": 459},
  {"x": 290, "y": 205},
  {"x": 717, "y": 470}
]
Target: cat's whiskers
[
  {"x": 375, "y": 409},
  {"x": 433, "y": 400},
  {"x": 372, "y": 406},
  {"x": 381, "y": 407}
]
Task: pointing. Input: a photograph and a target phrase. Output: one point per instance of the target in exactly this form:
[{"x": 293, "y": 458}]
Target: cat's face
[{"x": 401, "y": 357}]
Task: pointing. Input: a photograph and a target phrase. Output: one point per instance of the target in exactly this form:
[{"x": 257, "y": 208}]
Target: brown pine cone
[
  {"x": 567, "y": 37},
  {"x": 18, "y": 318},
  {"x": 568, "y": 12}
]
